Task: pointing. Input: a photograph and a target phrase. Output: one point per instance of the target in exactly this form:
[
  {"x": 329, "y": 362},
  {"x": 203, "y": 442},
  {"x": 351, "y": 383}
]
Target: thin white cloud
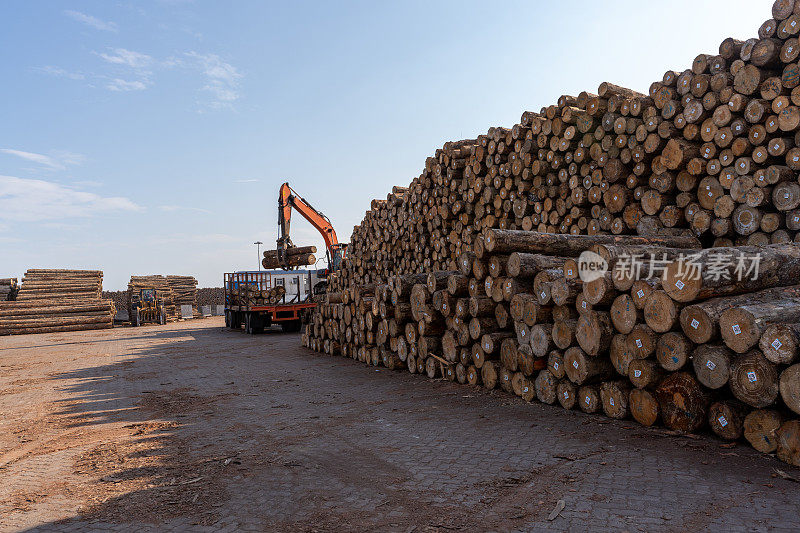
[
  {"x": 135, "y": 64},
  {"x": 176, "y": 208},
  {"x": 59, "y": 72},
  {"x": 68, "y": 158},
  {"x": 91, "y": 21},
  {"x": 222, "y": 79},
  {"x": 252, "y": 180},
  {"x": 128, "y": 58},
  {"x": 58, "y": 160},
  {"x": 29, "y": 200},
  {"x": 63, "y": 226},
  {"x": 206, "y": 238},
  {"x": 120, "y": 85},
  {"x": 36, "y": 158},
  {"x": 88, "y": 183}
]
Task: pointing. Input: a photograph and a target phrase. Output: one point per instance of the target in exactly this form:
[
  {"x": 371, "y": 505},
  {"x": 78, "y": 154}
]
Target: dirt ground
[{"x": 190, "y": 427}]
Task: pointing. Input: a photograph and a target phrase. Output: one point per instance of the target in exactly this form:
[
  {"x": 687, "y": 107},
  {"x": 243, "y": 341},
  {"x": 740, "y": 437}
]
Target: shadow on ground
[{"x": 210, "y": 427}]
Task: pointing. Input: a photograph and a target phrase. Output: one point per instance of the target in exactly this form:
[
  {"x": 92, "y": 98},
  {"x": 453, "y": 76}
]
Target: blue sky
[{"x": 151, "y": 137}]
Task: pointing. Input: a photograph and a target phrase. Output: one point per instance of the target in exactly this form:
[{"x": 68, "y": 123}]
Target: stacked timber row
[
  {"x": 710, "y": 341},
  {"x": 184, "y": 291},
  {"x": 251, "y": 295},
  {"x": 57, "y": 300},
  {"x": 436, "y": 280},
  {"x": 8, "y": 289},
  {"x": 295, "y": 257},
  {"x": 712, "y": 149},
  {"x": 162, "y": 286}
]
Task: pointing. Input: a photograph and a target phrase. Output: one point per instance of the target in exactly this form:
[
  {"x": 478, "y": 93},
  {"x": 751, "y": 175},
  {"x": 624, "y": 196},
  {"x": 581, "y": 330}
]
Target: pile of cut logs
[
  {"x": 251, "y": 295},
  {"x": 295, "y": 256},
  {"x": 472, "y": 273},
  {"x": 184, "y": 291},
  {"x": 57, "y": 300},
  {"x": 173, "y": 290},
  {"x": 163, "y": 288},
  {"x": 8, "y": 289}
]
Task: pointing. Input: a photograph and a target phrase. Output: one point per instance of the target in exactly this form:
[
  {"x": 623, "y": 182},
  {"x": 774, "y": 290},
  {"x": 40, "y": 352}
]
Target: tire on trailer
[{"x": 256, "y": 324}]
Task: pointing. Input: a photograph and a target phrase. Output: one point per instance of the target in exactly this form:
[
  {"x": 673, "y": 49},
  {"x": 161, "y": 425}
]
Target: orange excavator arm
[{"x": 288, "y": 199}]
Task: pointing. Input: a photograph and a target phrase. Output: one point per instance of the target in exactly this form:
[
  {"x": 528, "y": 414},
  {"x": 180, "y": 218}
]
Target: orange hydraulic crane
[{"x": 288, "y": 199}]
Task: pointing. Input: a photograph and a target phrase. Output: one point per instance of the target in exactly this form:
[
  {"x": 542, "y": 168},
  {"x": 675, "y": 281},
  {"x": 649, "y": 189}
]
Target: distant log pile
[
  {"x": 184, "y": 290},
  {"x": 471, "y": 273},
  {"x": 8, "y": 289},
  {"x": 162, "y": 287},
  {"x": 57, "y": 300},
  {"x": 296, "y": 256},
  {"x": 174, "y": 291},
  {"x": 210, "y": 296}
]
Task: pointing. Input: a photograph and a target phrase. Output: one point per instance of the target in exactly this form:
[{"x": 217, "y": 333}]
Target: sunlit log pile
[
  {"x": 57, "y": 300},
  {"x": 184, "y": 291},
  {"x": 163, "y": 289},
  {"x": 471, "y": 273},
  {"x": 296, "y": 256},
  {"x": 174, "y": 291}
]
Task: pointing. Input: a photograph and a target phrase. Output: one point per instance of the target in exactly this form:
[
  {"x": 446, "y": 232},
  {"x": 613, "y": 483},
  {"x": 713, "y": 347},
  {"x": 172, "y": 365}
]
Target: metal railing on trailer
[{"x": 255, "y": 318}]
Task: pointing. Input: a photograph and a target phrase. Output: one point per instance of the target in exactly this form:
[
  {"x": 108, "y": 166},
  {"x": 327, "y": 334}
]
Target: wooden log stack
[
  {"x": 471, "y": 273},
  {"x": 251, "y": 295},
  {"x": 160, "y": 284},
  {"x": 8, "y": 289},
  {"x": 184, "y": 291},
  {"x": 57, "y": 300},
  {"x": 175, "y": 291},
  {"x": 295, "y": 256}
]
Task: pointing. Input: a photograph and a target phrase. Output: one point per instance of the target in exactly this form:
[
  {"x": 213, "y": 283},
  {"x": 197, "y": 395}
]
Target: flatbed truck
[{"x": 254, "y": 315}]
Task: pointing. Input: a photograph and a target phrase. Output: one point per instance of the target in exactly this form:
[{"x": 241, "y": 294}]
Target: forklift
[{"x": 148, "y": 308}]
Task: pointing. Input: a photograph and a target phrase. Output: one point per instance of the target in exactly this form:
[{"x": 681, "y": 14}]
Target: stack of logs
[
  {"x": 295, "y": 256},
  {"x": 57, "y": 300},
  {"x": 249, "y": 295},
  {"x": 184, "y": 291},
  {"x": 175, "y": 291},
  {"x": 691, "y": 352},
  {"x": 713, "y": 150},
  {"x": 161, "y": 285},
  {"x": 8, "y": 289},
  {"x": 434, "y": 282}
]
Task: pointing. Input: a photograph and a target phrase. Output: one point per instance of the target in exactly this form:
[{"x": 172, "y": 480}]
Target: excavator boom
[{"x": 289, "y": 199}]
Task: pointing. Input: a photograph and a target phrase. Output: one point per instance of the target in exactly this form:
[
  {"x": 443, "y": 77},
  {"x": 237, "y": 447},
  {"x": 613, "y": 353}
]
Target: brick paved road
[{"x": 191, "y": 427}]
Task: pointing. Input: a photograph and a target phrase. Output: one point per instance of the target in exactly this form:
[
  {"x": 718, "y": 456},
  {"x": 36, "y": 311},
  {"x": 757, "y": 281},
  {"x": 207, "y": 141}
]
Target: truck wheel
[
  {"x": 228, "y": 320},
  {"x": 256, "y": 325},
  {"x": 247, "y": 324}
]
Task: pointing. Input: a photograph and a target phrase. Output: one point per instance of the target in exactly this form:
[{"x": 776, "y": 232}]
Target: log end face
[
  {"x": 696, "y": 324},
  {"x": 681, "y": 282},
  {"x": 737, "y": 328}
]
